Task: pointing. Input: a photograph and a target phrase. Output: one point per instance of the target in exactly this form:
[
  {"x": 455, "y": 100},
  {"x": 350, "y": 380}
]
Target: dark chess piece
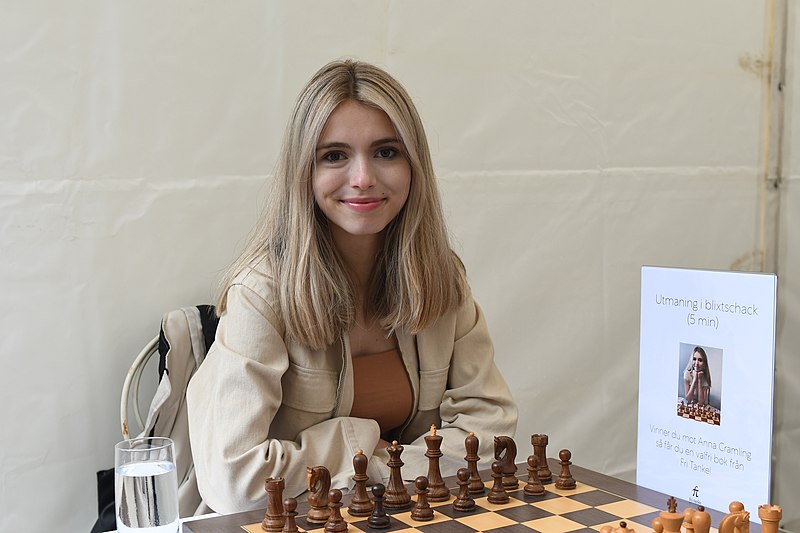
[
  {"x": 319, "y": 485},
  {"x": 422, "y": 511},
  {"x": 397, "y": 497},
  {"x": 498, "y": 493},
  {"x": 437, "y": 490},
  {"x": 378, "y": 519},
  {"x": 464, "y": 502},
  {"x": 505, "y": 451},
  {"x": 534, "y": 485},
  {"x": 475, "y": 483},
  {"x": 539, "y": 442},
  {"x": 565, "y": 480},
  {"x": 360, "y": 505},
  {"x": 290, "y": 512},
  {"x": 274, "y": 519},
  {"x": 335, "y": 523}
]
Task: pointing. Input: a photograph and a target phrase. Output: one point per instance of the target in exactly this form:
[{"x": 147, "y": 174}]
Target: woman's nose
[{"x": 361, "y": 174}]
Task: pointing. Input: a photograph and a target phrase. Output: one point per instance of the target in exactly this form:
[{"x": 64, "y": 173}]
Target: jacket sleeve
[
  {"x": 476, "y": 398},
  {"x": 232, "y": 400}
]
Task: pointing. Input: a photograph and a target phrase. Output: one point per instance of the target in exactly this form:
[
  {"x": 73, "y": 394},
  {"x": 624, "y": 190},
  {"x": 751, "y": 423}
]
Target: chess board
[{"x": 597, "y": 500}]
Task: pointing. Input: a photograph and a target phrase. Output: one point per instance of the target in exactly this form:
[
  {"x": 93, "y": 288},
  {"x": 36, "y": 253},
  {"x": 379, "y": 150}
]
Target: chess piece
[
  {"x": 736, "y": 521},
  {"x": 669, "y": 521},
  {"x": 378, "y": 519},
  {"x": 319, "y": 484},
  {"x": 289, "y": 513},
  {"x": 699, "y": 519},
  {"x": 335, "y": 522},
  {"x": 437, "y": 490},
  {"x": 770, "y": 516},
  {"x": 534, "y": 485},
  {"x": 397, "y": 496},
  {"x": 498, "y": 493},
  {"x": 505, "y": 451},
  {"x": 360, "y": 505},
  {"x": 623, "y": 528},
  {"x": 565, "y": 480},
  {"x": 475, "y": 483},
  {"x": 274, "y": 519},
  {"x": 539, "y": 442},
  {"x": 464, "y": 502},
  {"x": 422, "y": 511}
]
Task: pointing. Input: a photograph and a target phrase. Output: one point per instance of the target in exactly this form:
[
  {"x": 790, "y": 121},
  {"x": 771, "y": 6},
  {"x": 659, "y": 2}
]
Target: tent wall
[{"x": 574, "y": 141}]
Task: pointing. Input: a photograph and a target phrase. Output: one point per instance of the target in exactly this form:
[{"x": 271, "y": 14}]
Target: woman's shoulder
[{"x": 259, "y": 277}]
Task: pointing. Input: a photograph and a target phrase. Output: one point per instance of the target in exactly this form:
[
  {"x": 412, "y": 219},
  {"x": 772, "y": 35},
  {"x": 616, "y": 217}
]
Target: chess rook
[
  {"x": 274, "y": 518},
  {"x": 539, "y": 442}
]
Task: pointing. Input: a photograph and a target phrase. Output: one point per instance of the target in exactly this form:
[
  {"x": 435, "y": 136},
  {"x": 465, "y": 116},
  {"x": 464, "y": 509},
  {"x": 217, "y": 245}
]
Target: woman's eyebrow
[
  {"x": 386, "y": 140},
  {"x": 326, "y": 146}
]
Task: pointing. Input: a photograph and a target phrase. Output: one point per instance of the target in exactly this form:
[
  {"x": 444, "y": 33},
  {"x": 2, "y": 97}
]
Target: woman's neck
[{"x": 358, "y": 253}]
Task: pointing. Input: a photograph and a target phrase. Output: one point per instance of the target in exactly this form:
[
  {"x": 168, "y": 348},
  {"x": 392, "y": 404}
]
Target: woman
[
  {"x": 347, "y": 321},
  {"x": 697, "y": 378}
]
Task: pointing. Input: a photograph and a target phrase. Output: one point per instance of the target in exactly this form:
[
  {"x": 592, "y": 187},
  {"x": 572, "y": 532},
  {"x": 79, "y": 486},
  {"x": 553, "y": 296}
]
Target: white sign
[{"x": 707, "y": 359}]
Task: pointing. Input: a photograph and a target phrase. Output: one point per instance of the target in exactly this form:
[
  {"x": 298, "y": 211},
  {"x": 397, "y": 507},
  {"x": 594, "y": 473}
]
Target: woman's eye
[
  {"x": 333, "y": 157},
  {"x": 386, "y": 153}
]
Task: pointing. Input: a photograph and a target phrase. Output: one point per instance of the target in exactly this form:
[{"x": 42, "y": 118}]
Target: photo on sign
[{"x": 700, "y": 383}]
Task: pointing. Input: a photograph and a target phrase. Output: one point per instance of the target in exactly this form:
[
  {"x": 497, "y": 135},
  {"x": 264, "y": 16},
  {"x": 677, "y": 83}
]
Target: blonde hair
[{"x": 417, "y": 277}]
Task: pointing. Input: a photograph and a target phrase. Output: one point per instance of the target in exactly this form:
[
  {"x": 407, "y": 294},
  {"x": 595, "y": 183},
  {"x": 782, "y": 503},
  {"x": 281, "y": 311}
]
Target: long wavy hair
[
  {"x": 417, "y": 276},
  {"x": 687, "y": 373}
]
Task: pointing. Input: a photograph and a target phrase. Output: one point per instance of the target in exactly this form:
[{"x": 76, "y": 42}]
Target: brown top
[{"x": 382, "y": 390}]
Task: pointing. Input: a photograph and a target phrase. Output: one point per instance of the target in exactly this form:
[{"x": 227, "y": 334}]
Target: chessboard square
[
  {"x": 628, "y": 509},
  {"x": 579, "y": 488},
  {"x": 524, "y": 513},
  {"x": 253, "y": 528},
  {"x": 590, "y": 516},
  {"x": 553, "y": 524},
  {"x": 484, "y": 502},
  {"x": 514, "y": 528},
  {"x": 448, "y": 501},
  {"x": 560, "y": 505},
  {"x": 449, "y": 526},
  {"x": 485, "y": 521},
  {"x": 596, "y": 498},
  {"x": 395, "y": 526},
  {"x": 406, "y": 519}
]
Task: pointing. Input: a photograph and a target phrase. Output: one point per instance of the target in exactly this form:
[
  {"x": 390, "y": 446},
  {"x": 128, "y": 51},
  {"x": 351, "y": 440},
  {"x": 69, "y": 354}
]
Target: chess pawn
[
  {"x": 565, "y": 480},
  {"x": 360, "y": 505},
  {"x": 700, "y": 520},
  {"x": 464, "y": 502},
  {"x": 274, "y": 518},
  {"x": 422, "y": 511},
  {"x": 770, "y": 516},
  {"x": 539, "y": 442},
  {"x": 289, "y": 513},
  {"x": 534, "y": 485},
  {"x": 378, "y": 519},
  {"x": 498, "y": 493},
  {"x": 471, "y": 444},
  {"x": 335, "y": 523}
]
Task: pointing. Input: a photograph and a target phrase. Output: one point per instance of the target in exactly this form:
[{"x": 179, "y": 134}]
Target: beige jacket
[{"x": 261, "y": 406}]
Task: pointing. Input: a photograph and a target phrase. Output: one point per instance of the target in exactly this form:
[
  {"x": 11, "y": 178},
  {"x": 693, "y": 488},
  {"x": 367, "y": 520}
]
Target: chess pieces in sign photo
[
  {"x": 534, "y": 485},
  {"x": 539, "y": 443},
  {"x": 471, "y": 444},
  {"x": 623, "y": 528},
  {"x": 505, "y": 451},
  {"x": 498, "y": 494},
  {"x": 397, "y": 497},
  {"x": 696, "y": 521},
  {"x": 770, "y": 516},
  {"x": 437, "y": 490},
  {"x": 378, "y": 519},
  {"x": 463, "y": 502},
  {"x": 360, "y": 505},
  {"x": 319, "y": 485},
  {"x": 565, "y": 480},
  {"x": 274, "y": 517},
  {"x": 669, "y": 521},
  {"x": 422, "y": 511},
  {"x": 335, "y": 522},
  {"x": 736, "y": 521},
  {"x": 289, "y": 513}
]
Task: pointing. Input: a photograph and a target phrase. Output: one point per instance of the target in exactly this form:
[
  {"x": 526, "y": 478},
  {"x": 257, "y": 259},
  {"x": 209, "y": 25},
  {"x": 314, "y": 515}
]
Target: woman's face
[
  {"x": 362, "y": 177},
  {"x": 697, "y": 361}
]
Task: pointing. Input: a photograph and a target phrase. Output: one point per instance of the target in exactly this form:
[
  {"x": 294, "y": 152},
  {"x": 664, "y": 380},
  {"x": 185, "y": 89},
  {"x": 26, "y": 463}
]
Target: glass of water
[{"x": 146, "y": 485}]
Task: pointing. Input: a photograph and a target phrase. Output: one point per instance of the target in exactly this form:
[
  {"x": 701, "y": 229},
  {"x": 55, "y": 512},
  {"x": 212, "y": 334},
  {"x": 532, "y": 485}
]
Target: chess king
[{"x": 347, "y": 321}]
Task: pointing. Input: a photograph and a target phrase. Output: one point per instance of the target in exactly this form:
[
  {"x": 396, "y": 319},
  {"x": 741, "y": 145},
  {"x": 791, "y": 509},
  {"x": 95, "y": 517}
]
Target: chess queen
[{"x": 347, "y": 321}]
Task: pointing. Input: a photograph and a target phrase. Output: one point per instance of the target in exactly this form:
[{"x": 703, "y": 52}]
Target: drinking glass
[{"x": 146, "y": 486}]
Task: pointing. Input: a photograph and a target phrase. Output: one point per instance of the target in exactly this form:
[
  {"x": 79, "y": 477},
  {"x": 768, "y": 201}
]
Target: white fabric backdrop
[{"x": 575, "y": 142}]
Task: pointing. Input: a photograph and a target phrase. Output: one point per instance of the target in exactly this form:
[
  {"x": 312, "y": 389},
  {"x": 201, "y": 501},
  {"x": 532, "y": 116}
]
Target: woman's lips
[{"x": 363, "y": 205}]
